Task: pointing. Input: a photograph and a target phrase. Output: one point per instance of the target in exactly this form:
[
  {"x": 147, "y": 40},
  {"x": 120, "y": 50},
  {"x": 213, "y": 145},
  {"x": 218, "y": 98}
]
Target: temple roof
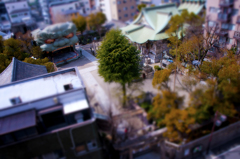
[
  {"x": 18, "y": 70},
  {"x": 152, "y": 21}
]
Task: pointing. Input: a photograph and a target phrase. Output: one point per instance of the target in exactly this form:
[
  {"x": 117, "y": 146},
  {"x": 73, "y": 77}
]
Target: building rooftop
[
  {"x": 18, "y": 70},
  {"x": 61, "y": 88},
  {"x": 151, "y": 22},
  {"x": 39, "y": 87}
]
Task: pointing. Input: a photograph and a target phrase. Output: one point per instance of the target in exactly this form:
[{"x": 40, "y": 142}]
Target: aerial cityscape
[{"x": 119, "y": 79}]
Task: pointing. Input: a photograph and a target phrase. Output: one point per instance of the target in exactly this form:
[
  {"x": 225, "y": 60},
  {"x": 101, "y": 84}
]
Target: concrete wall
[{"x": 219, "y": 137}]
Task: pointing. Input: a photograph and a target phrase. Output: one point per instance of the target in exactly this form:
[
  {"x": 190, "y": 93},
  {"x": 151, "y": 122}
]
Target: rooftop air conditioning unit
[
  {"x": 68, "y": 87},
  {"x": 15, "y": 100}
]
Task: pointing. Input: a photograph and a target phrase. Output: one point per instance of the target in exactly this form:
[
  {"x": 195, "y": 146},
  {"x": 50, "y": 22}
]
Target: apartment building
[
  {"x": 123, "y": 10},
  {"x": 47, "y": 117},
  {"x": 64, "y": 8},
  {"x": 20, "y": 15},
  {"x": 5, "y": 24},
  {"x": 225, "y": 15}
]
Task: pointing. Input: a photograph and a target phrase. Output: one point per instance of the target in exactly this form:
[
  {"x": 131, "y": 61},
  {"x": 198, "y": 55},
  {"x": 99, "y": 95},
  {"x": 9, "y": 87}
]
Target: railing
[
  {"x": 222, "y": 17},
  {"x": 236, "y": 35},
  {"x": 225, "y": 3}
]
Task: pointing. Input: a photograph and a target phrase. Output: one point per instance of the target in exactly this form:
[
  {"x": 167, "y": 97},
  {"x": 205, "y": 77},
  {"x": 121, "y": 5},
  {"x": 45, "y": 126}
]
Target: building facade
[
  {"x": 123, "y": 10},
  {"x": 20, "y": 16},
  {"x": 64, "y": 8},
  {"x": 5, "y": 24},
  {"x": 225, "y": 15},
  {"x": 54, "y": 122}
]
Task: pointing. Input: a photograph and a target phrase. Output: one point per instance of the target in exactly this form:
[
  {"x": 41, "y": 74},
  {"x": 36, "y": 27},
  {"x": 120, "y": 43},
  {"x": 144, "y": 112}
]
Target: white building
[
  {"x": 105, "y": 7},
  {"x": 60, "y": 8}
]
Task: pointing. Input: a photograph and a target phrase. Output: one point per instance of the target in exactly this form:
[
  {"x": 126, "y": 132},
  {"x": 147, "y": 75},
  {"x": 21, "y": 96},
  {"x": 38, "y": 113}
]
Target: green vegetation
[
  {"x": 22, "y": 50},
  {"x": 95, "y": 21},
  {"x": 118, "y": 60},
  {"x": 80, "y": 23}
]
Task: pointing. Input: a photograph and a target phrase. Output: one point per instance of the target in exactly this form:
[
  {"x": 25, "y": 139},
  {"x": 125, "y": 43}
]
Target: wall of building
[
  {"x": 213, "y": 10},
  {"x": 18, "y": 15},
  {"x": 123, "y": 10},
  {"x": 105, "y": 7},
  {"x": 67, "y": 140}
]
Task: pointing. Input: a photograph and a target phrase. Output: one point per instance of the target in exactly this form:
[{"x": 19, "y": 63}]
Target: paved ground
[{"x": 110, "y": 93}]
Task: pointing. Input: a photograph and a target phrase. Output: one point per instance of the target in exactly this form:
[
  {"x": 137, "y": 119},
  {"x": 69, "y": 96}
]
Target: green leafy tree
[
  {"x": 37, "y": 52},
  {"x": 12, "y": 48},
  {"x": 95, "y": 21},
  {"x": 1, "y": 44},
  {"x": 4, "y": 62},
  {"x": 118, "y": 60},
  {"x": 80, "y": 23}
]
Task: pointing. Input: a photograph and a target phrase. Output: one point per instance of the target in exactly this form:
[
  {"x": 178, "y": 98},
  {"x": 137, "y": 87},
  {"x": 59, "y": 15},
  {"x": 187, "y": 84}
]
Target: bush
[{"x": 157, "y": 68}]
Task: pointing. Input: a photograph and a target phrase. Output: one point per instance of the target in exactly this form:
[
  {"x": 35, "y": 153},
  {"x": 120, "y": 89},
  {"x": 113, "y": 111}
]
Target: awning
[
  {"x": 75, "y": 106},
  {"x": 17, "y": 122}
]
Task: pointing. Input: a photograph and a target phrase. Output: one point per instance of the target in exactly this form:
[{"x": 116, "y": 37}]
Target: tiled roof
[{"x": 18, "y": 70}]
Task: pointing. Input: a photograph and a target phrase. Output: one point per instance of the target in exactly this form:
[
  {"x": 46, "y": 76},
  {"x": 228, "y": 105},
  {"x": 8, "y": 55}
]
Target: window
[
  {"x": 235, "y": 12},
  {"x": 53, "y": 119},
  {"x": 125, "y": 15},
  {"x": 119, "y": 2},
  {"x": 225, "y": 26},
  {"x": 132, "y": 14},
  {"x": 125, "y": 8},
  {"x": 132, "y": 7},
  {"x": 222, "y": 39},
  {"x": 214, "y": 10},
  {"x": 86, "y": 2},
  {"x": 14, "y": 15},
  {"x": 25, "y": 13},
  {"x": 12, "y": 6},
  {"x": 120, "y": 17},
  {"x": 231, "y": 27},
  {"x": 119, "y": 10},
  {"x": 70, "y": 8},
  {"x": 6, "y": 139},
  {"x": 15, "y": 100},
  {"x": 80, "y": 148},
  {"x": 230, "y": 41},
  {"x": 211, "y": 23}
]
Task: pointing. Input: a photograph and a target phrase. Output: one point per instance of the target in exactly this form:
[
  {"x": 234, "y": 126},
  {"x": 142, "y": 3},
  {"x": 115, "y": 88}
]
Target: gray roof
[
  {"x": 18, "y": 70},
  {"x": 17, "y": 122}
]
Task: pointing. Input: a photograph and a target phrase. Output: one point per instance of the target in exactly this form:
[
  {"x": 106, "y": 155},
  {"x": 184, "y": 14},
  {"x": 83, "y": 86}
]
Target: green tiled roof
[{"x": 151, "y": 22}]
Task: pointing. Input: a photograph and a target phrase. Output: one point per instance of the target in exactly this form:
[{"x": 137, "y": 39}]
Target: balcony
[
  {"x": 225, "y": 3},
  {"x": 223, "y": 17},
  {"x": 222, "y": 32},
  {"x": 220, "y": 44},
  {"x": 236, "y": 35}
]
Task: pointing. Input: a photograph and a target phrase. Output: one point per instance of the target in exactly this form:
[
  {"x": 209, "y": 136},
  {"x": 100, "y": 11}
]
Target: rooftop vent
[
  {"x": 15, "y": 100},
  {"x": 68, "y": 87}
]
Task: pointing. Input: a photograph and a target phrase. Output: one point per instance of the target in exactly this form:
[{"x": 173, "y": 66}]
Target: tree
[
  {"x": 12, "y": 48},
  {"x": 141, "y": 6},
  {"x": 4, "y": 62},
  {"x": 1, "y": 44},
  {"x": 95, "y": 21},
  {"x": 177, "y": 123},
  {"x": 163, "y": 104},
  {"x": 118, "y": 60},
  {"x": 80, "y": 23},
  {"x": 25, "y": 40},
  {"x": 37, "y": 52},
  {"x": 161, "y": 79},
  {"x": 45, "y": 62}
]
